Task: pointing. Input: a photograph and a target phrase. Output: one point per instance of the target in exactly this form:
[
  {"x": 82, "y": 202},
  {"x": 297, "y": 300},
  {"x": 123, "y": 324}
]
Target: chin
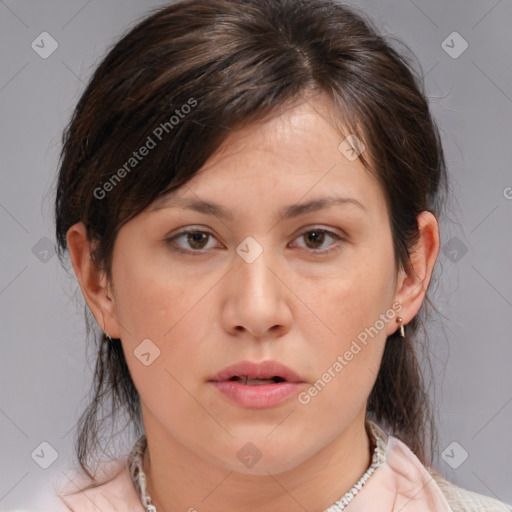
[{"x": 260, "y": 455}]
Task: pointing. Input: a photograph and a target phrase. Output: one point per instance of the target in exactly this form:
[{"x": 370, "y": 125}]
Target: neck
[{"x": 179, "y": 480}]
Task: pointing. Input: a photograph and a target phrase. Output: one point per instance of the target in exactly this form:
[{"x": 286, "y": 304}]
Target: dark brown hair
[{"x": 235, "y": 62}]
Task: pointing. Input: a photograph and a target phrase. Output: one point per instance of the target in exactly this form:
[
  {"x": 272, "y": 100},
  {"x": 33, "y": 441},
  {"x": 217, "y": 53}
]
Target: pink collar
[{"x": 400, "y": 483}]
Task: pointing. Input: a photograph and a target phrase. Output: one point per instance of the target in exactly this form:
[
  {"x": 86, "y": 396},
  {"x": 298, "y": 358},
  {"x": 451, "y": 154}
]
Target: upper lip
[{"x": 257, "y": 370}]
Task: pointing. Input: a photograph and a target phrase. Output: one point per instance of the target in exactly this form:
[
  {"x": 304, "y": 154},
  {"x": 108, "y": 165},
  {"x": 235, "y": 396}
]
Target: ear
[
  {"x": 413, "y": 282},
  {"x": 93, "y": 282}
]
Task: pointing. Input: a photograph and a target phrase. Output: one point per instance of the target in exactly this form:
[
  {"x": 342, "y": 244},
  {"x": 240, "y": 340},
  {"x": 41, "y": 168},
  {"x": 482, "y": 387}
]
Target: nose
[{"x": 256, "y": 300}]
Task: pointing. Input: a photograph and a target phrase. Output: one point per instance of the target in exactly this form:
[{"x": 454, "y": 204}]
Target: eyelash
[{"x": 169, "y": 241}]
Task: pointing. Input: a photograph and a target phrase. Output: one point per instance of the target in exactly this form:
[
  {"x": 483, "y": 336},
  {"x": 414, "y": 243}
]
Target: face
[{"x": 258, "y": 289}]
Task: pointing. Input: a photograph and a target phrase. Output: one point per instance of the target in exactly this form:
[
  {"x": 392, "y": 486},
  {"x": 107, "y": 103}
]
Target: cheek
[
  {"x": 351, "y": 335},
  {"x": 346, "y": 363},
  {"x": 346, "y": 304},
  {"x": 154, "y": 303},
  {"x": 148, "y": 297}
]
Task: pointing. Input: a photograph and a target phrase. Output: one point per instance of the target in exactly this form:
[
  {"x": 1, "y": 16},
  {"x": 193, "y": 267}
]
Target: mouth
[
  {"x": 257, "y": 374},
  {"x": 248, "y": 381},
  {"x": 260, "y": 385}
]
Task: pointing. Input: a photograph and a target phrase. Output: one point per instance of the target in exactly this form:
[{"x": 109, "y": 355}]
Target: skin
[{"x": 301, "y": 308}]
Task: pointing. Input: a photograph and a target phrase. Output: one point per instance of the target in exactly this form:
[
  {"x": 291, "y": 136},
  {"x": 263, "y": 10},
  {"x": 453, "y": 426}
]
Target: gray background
[{"x": 44, "y": 374}]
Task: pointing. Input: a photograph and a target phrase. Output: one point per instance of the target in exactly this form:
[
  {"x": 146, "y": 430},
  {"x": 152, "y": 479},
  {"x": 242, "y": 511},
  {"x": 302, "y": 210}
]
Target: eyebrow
[{"x": 287, "y": 212}]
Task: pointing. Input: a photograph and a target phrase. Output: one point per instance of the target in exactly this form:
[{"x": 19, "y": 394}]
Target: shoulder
[
  {"x": 114, "y": 493},
  {"x": 462, "y": 500},
  {"x": 410, "y": 474}
]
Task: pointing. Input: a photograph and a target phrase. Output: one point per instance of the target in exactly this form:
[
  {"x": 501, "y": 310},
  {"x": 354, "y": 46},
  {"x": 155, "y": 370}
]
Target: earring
[
  {"x": 103, "y": 317},
  {"x": 402, "y": 329}
]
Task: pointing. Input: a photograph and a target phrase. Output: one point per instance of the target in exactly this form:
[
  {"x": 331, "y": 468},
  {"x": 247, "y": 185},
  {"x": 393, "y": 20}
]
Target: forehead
[{"x": 289, "y": 159}]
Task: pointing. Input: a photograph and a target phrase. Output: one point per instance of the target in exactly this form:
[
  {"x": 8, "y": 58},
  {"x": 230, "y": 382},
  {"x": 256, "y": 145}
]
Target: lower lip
[{"x": 257, "y": 397}]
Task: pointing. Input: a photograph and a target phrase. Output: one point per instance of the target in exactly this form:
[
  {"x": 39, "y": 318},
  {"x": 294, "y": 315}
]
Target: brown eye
[
  {"x": 197, "y": 239},
  {"x": 316, "y": 238},
  {"x": 193, "y": 241}
]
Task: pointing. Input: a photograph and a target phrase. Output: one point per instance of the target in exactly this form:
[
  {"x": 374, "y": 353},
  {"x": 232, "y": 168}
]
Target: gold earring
[
  {"x": 103, "y": 317},
  {"x": 402, "y": 329}
]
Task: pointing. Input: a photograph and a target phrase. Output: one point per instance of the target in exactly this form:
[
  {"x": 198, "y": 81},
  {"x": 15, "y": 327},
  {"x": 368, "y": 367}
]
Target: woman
[{"x": 249, "y": 192}]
